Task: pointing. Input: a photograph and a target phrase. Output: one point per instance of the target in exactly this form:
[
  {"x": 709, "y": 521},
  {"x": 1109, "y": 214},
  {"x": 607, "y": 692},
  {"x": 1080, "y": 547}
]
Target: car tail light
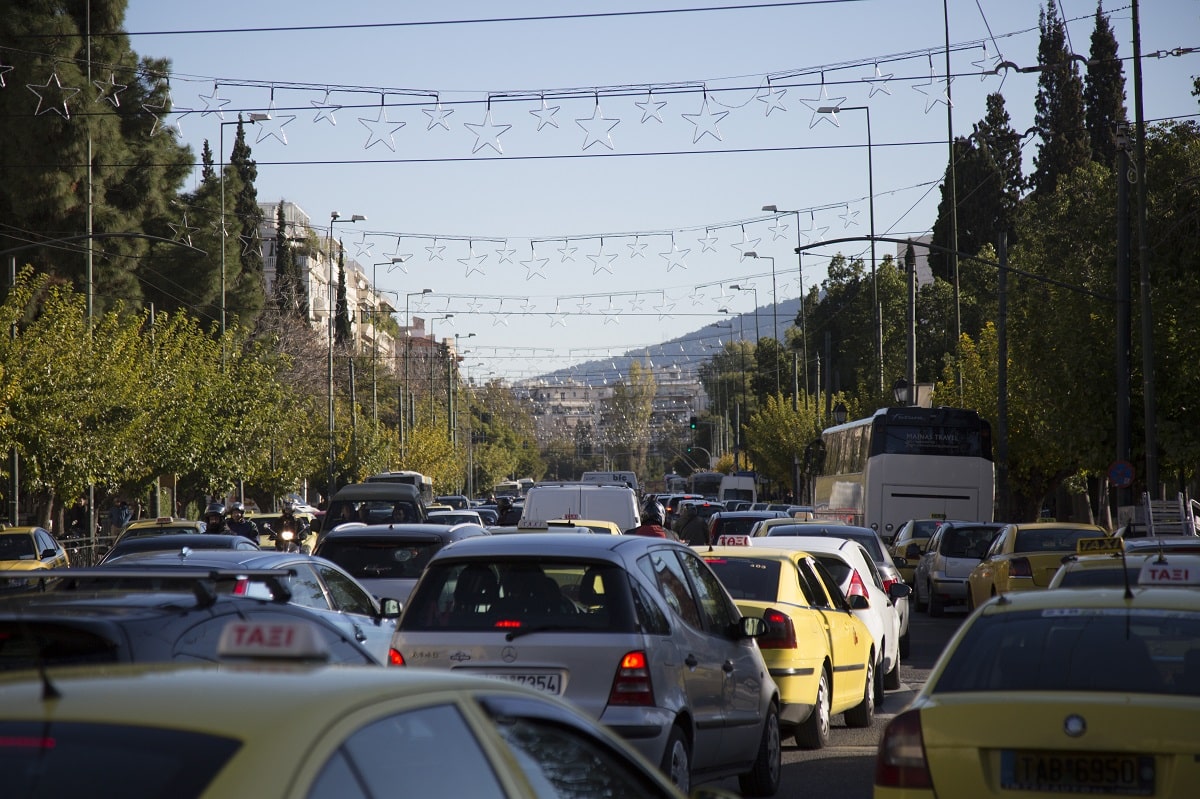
[
  {"x": 888, "y": 583},
  {"x": 900, "y": 761},
  {"x": 395, "y": 658},
  {"x": 632, "y": 685},
  {"x": 857, "y": 586},
  {"x": 1019, "y": 567},
  {"x": 241, "y": 586},
  {"x": 780, "y": 634}
]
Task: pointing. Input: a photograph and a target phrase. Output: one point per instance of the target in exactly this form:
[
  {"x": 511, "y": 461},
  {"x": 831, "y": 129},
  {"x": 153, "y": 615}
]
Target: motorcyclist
[
  {"x": 691, "y": 527},
  {"x": 289, "y": 521},
  {"x": 653, "y": 516},
  {"x": 509, "y": 515},
  {"x": 214, "y": 519},
  {"x": 238, "y": 524}
]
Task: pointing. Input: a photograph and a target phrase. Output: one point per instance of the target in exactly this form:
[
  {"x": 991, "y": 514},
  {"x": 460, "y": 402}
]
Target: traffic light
[
  {"x": 692, "y": 422},
  {"x": 689, "y": 450}
]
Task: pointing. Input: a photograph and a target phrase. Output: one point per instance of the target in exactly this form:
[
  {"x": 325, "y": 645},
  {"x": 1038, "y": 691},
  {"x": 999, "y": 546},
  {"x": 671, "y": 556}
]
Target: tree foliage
[
  {"x": 1059, "y": 107},
  {"x": 1104, "y": 91}
]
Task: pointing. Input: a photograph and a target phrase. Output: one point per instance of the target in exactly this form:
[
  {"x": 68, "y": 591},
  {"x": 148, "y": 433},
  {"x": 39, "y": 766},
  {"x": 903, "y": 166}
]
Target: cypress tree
[
  {"x": 250, "y": 289},
  {"x": 1104, "y": 91},
  {"x": 342, "y": 313},
  {"x": 1059, "y": 111},
  {"x": 287, "y": 278}
]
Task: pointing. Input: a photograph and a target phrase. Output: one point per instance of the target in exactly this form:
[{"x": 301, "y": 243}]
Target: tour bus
[
  {"x": 906, "y": 463},
  {"x": 423, "y": 483},
  {"x": 706, "y": 484},
  {"x": 508, "y": 488}
]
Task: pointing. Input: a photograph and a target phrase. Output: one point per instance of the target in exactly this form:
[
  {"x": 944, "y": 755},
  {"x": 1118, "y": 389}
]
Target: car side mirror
[
  {"x": 752, "y": 627},
  {"x": 901, "y": 563},
  {"x": 48, "y": 553},
  {"x": 898, "y": 591},
  {"x": 858, "y": 602},
  {"x": 390, "y": 608}
]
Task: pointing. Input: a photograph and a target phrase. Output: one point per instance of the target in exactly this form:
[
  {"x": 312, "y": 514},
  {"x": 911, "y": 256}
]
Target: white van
[
  {"x": 614, "y": 503},
  {"x": 620, "y": 478},
  {"x": 742, "y": 485}
]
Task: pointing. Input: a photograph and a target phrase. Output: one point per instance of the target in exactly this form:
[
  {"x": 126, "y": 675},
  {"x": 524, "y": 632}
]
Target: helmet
[
  {"x": 503, "y": 503},
  {"x": 214, "y": 509},
  {"x": 237, "y": 507},
  {"x": 288, "y": 508},
  {"x": 653, "y": 513}
]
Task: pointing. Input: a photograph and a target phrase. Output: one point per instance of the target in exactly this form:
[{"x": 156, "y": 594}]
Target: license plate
[
  {"x": 550, "y": 683},
  {"x": 1077, "y": 772}
]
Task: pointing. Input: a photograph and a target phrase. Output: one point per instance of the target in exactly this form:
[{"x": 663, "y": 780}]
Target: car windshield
[
  {"x": 519, "y": 595},
  {"x": 87, "y": 759},
  {"x": 381, "y": 558},
  {"x": 1112, "y": 650},
  {"x": 1054, "y": 539},
  {"x": 748, "y": 578}
]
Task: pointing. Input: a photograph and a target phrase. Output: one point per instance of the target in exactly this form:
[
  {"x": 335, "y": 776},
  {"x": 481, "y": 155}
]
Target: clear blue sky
[{"x": 672, "y": 130}]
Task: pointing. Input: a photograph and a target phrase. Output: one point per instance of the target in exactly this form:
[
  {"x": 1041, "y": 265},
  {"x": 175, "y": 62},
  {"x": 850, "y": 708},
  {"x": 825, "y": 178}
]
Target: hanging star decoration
[
  {"x": 583, "y": 306},
  {"x": 745, "y": 245},
  {"x": 214, "y": 103},
  {"x": 108, "y": 92},
  {"x": 435, "y": 250},
  {"x": 566, "y": 252},
  {"x": 823, "y": 101},
  {"x": 772, "y": 97},
  {"x": 474, "y": 305},
  {"x": 154, "y": 110},
  {"x": 504, "y": 254},
  {"x": 637, "y": 248},
  {"x": 816, "y": 234},
  {"x": 363, "y": 248},
  {"x": 610, "y": 313},
  {"x": 53, "y": 96},
  {"x": 4, "y": 70},
  {"x": 500, "y": 317},
  {"x": 473, "y": 262},
  {"x": 635, "y": 305},
  {"x": 272, "y": 126},
  {"x": 664, "y": 310},
  {"x": 705, "y": 121},
  {"x": 487, "y": 133},
  {"x": 545, "y": 115},
  {"x": 381, "y": 128},
  {"x": 651, "y": 108},
  {"x": 601, "y": 260},
  {"x": 597, "y": 128},
  {"x": 527, "y": 306},
  {"x": 986, "y": 65},
  {"x": 534, "y": 266},
  {"x": 250, "y": 243},
  {"x": 437, "y": 116},
  {"x": 325, "y": 110},
  {"x": 182, "y": 231},
  {"x": 696, "y": 296},
  {"x": 779, "y": 229},
  {"x": 708, "y": 243},
  {"x": 879, "y": 82},
  {"x": 400, "y": 260},
  {"x": 675, "y": 256},
  {"x": 928, "y": 87},
  {"x": 849, "y": 217},
  {"x": 421, "y": 303},
  {"x": 558, "y": 318}
]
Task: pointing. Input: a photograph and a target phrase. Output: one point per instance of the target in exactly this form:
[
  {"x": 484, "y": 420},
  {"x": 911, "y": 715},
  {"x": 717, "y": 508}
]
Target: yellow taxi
[
  {"x": 236, "y": 729},
  {"x": 1046, "y": 693},
  {"x": 1024, "y": 557},
  {"x": 595, "y": 525},
  {"x": 161, "y": 525},
  {"x": 818, "y": 652},
  {"x": 30, "y": 549}
]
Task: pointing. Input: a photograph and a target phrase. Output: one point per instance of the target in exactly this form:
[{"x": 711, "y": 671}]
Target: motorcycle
[{"x": 288, "y": 539}]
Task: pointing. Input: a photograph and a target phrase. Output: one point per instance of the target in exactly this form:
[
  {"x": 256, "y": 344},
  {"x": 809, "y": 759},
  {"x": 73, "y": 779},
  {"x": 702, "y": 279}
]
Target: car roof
[
  {"x": 175, "y": 541},
  {"x": 816, "y": 544},
  {"x": 1055, "y": 526},
  {"x": 750, "y": 514},
  {"x": 399, "y": 531},
  {"x": 162, "y": 521},
  {"x": 379, "y": 490},
  {"x": 1104, "y": 597},
  {"x": 551, "y": 545},
  {"x": 769, "y": 553},
  {"x": 214, "y": 558}
]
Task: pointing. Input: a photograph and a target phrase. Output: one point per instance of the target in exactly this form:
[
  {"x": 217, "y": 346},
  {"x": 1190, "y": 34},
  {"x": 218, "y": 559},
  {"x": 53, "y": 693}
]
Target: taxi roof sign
[
  {"x": 1163, "y": 573},
  {"x": 282, "y": 640},
  {"x": 1098, "y": 546},
  {"x": 734, "y": 541}
]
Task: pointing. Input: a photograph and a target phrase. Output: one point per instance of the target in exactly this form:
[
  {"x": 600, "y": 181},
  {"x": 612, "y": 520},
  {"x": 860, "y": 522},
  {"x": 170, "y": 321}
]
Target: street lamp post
[
  {"x": 774, "y": 308},
  {"x": 405, "y": 403},
  {"x": 757, "y": 330},
  {"x": 737, "y": 421},
  {"x": 375, "y": 338},
  {"x": 334, "y": 216},
  {"x": 833, "y": 110},
  {"x": 253, "y": 120},
  {"x": 452, "y": 407}
]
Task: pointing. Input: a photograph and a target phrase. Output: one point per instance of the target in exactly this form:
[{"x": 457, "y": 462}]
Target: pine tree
[
  {"x": 342, "y": 313},
  {"x": 1059, "y": 111},
  {"x": 1104, "y": 91},
  {"x": 287, "y": 278},
  {"x": 206, "y": 163},
  {"x": 250, "y": 288}
]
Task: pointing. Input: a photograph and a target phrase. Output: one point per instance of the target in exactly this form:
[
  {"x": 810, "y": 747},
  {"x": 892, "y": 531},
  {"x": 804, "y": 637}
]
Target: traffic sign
[{"x": 1120, "y": 474}]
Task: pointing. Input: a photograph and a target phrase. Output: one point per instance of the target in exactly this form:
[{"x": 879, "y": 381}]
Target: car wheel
[
  {"x": 891, "y": 680},
  {"x": 937, "y": 605},
  {"x": 879, "y": 677},
  {"x": 763, "y": 778},
  {"x": 905, "y": 646},
  {"x": 970, "y": 601},
  {"x": 863, "y": 713},
  {"x": 677, "y": 760},
  {"x": 813, "y": 733}
]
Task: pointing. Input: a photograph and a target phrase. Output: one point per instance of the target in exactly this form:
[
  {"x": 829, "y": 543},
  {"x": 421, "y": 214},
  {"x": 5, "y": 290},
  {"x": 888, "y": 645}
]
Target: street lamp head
[
  {"x": 771, "y": 209},
  {"x": 839, "y": 413},
  {"x": 334, "y": 215},
  {"x": 828, "y": 109},
  {"x": 722, "y": 310},
  {"x": 735, "y": 286},
  {"x": 257, "y": 117},
  {"x": 750, "y": 254},
  {"x": 358, "y": 218}
]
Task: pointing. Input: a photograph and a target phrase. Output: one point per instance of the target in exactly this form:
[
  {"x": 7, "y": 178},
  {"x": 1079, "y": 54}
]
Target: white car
[{"x": 855, "y": 572}]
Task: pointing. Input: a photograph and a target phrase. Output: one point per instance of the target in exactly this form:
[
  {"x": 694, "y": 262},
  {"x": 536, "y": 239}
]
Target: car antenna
[{"x": 1125, "y": 568}]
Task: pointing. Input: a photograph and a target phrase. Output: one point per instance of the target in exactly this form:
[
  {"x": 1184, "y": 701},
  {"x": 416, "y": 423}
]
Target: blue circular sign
[{"x": 1120, "y": 474}]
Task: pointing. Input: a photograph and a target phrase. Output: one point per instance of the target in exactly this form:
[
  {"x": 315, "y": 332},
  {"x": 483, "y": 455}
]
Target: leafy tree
[
  {"x": 1059, "y": 108},
  {"x": 1104, "y": 91},
  {"x": 778, "y": 435},
  {"x": 772, "y": 370},
  {"x": 847, "y": 318},
  {"x": 137, "y": 162}
]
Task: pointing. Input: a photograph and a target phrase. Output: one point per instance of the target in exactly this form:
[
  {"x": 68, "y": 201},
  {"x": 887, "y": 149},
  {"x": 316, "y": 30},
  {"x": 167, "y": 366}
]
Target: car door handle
[
  {"x": 359, "y": 635},
  {"x": 727, "y": 667},
  {"x": 691, "y": 661}
]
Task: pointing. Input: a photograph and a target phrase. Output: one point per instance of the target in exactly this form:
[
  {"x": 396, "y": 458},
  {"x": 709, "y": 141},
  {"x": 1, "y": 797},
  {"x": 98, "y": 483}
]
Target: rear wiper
[{"x": 543, "y": 628}]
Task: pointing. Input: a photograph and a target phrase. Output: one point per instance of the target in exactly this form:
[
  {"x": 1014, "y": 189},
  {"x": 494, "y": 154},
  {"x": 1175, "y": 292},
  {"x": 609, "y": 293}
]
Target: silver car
[
  {"x": 956, "y": 548},
  {"x": 636, "y": 631}
]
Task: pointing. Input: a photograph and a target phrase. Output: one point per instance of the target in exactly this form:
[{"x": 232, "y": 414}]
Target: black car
[
  {"x": 373, "y": 503},
  {"x": 177, "y": 543},
  {"x": 739, "y": 522},
  {"x": 83, "y": 621}
]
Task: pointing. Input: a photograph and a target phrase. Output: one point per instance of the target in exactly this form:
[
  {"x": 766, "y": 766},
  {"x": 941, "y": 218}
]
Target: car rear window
[
  {"x": 736, "y": 525},
  {"x": 133, "y": 762},
  {"x": 747, "y": 578},
  {"x": 515, "y": 594},
  {"x": 967, "y": 542},
  {"x": 381, "y": 559},
  {"x": 1112, "y": 650},
  {"x": 27, "y": 642},
  {"x": 1090, "y": 578},
  {"x": 1051, "y": 540}
]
